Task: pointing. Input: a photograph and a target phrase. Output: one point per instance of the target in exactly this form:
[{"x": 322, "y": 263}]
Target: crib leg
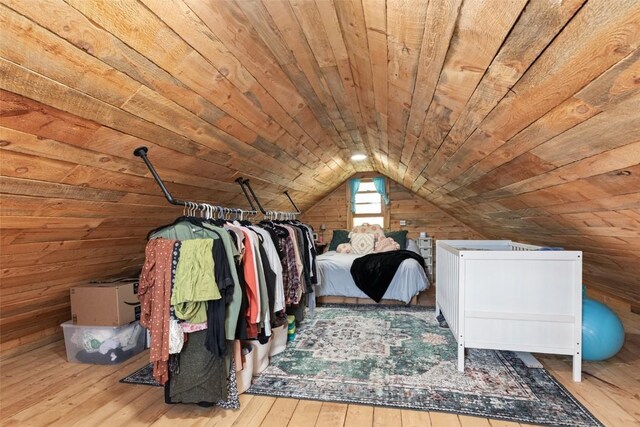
[
  {"x": 460, "y": 357},
  {"x": 577, "y": 368}
]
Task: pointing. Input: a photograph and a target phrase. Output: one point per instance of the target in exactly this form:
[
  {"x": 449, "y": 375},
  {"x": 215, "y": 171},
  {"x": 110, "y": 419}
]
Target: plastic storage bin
[{"x": 103, "y": 345}]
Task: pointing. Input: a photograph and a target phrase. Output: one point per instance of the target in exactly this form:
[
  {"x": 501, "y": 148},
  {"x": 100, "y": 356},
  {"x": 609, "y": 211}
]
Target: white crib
[{"x": 502, "y": 295}]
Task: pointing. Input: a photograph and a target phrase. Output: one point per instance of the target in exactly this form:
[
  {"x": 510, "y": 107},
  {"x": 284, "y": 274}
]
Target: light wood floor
[{"x": 40, "y": 388}]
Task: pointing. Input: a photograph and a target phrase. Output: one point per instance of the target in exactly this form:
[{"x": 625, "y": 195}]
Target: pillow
[
  {"x": 344, "y": 248},
  {"x": 362, "y": 243},
  {"x": 339, "y": 236},
  {"x": 374, "y": 229},
  {"x": 399, "y": 236},
  {"x": 386, "y": 245}
]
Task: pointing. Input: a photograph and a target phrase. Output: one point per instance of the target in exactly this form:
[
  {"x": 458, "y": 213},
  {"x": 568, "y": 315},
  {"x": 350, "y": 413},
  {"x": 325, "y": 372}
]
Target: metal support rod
[
  {"x": 244, "y": 190},
  {"x": 246, "y": 182},
  {"x": 142, "y": 153},
  {"x": 286, "y": 192}
]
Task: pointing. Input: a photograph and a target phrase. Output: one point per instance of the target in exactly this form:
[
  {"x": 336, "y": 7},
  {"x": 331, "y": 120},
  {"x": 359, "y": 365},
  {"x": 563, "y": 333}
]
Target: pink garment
[{"x": 187, "y": 327}]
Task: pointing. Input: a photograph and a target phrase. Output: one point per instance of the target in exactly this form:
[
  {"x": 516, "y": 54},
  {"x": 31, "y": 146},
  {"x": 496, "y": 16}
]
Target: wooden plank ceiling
[{"x": 520, "y": 118}]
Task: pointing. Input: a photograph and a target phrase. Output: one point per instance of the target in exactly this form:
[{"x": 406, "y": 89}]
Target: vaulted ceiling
[{"x": 520, "y": 118}]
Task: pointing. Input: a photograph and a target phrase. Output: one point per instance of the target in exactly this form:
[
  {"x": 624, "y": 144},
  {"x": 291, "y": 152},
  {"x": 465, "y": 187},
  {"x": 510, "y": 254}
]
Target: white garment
[{"x": 176, "y": 337}]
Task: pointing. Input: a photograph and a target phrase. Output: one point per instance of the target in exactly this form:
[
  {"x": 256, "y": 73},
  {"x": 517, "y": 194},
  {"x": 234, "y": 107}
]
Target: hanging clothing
[
  {"x": 271, "y": 254},
  {"x": 183, "y": 229},
  {"x": 216, "y": 336},
  {"x": 250, "y": 275},
  {"x": 202, "y": 375},
  {"x": 154, "y": 293},
  {"x": 291, "y": 277},
  {"x": 195, "y": 283},
  {"x": 219, "y": 281}
]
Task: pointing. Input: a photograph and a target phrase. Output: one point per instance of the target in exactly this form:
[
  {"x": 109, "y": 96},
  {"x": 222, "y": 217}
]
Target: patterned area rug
[
  {"x": 142, "y": 376},
  {"x": 398, "y": 357}
]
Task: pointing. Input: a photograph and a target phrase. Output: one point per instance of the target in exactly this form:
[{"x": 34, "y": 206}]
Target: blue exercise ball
[{"x": 602, "y": 331}]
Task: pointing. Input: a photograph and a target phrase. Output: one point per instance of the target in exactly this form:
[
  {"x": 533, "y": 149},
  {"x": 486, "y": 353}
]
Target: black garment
[
  {"x": 202, "y": 376},
  {"x": 374, "y": 272},
  {"x": 276, "y": 233},
  {"x": 112, "y": 357},
  {"x": 270, "y": 278},
  {"x": 215, "y": 341},
  {"x": 241, "y": 327}
]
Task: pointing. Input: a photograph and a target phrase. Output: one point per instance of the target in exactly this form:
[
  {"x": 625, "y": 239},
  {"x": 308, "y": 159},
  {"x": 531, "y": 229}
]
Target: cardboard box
[{"x": 105, "y": 304}]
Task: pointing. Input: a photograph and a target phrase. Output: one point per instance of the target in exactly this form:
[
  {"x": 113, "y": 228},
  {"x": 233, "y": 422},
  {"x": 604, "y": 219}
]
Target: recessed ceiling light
[{"x": 358, "y": 157}]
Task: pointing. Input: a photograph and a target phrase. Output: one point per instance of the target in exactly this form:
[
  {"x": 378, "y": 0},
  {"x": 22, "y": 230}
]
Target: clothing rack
[
  {"x": 270, "y": 214},
  {"x": 142, "y": 153},
  {"x": 286, "y": 192}
]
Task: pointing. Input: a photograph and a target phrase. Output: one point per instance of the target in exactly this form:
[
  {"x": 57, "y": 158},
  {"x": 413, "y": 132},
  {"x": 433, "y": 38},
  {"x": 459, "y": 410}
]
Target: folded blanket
[{"x": 374, "y": 272}]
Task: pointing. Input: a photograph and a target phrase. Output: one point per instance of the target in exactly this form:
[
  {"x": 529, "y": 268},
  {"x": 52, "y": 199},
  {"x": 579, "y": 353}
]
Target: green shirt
[{"x": 195, "y": 282}]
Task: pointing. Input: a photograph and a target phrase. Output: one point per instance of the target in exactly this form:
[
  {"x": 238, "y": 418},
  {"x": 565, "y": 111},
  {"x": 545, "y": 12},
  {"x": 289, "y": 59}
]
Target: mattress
[{"x": 334, "y": 278}]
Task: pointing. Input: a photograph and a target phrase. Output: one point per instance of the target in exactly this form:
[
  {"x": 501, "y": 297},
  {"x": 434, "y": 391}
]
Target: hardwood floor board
[
  {"x": 29, "y": 392},
  {"x": 280, "y": 413},
  {"x": 359, "y": 416},
  {"x": 228, "y": 418},
  {"x": 624, "y": 387},
  {"x": 194, "y": 415},
  {"x": 415, "y": 418},
  {"x": 306, "y": 413},
  {"x": 58, "y": 406},
  {"x": 255, "y": 414},
  {"x": 143, "y": 410},
  {"x": 617, "y": 379},
  {"x": 443, "y": 419},
  {"x": 12, "y": 375},
  {"x": 332, "y": 414},
  {"x": 113, "y": 399},
  {"x": 386, "y": 417},
  {"x": 467, "y": 421},
  {"x": 501, "y": 423},
  {"x": 599, "y": 402}
]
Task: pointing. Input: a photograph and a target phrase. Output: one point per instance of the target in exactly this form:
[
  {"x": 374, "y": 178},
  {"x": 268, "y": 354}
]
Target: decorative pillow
[
  {"x": 339, "y": 236},
  {"x": 374, "y": 229},
  {"x": 386, "y": 245},
  {"x": 362, "y": 243},
  {"x": 399, "y": 236},
  {"x": 344, "y": 248}
]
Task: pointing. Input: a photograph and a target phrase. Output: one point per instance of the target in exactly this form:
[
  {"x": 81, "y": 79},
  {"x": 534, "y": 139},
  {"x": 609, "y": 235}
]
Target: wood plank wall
[
  {"x": 517, "y": 117},
  {"x": 404, "y": 204}
]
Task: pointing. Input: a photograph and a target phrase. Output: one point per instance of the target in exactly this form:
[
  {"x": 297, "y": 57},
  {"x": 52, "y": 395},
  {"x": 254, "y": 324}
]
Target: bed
[
  {"x": 334, "y": 278},
  {"x": 502, "y": 295}
]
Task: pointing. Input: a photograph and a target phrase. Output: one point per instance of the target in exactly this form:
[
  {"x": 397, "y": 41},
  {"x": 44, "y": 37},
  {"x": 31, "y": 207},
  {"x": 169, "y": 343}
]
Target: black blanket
[{"x": 373, "y": 273}]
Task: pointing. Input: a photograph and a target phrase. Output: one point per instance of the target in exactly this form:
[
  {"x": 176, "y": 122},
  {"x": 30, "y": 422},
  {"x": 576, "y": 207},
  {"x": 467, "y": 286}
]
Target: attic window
[{"x": 368, "y": 206}]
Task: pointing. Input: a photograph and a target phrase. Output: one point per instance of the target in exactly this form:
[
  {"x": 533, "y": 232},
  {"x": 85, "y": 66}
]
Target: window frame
[{"x": 384, "y": 210}]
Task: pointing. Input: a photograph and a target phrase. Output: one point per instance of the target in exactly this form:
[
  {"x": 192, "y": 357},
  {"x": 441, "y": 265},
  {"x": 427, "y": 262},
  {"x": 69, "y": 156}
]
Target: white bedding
[{"x": 334, "y": 278}]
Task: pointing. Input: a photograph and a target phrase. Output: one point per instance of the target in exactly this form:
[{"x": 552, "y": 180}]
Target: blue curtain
[
  {"x": 354, "y": 185},
  {"x": 381, "y": 188}
]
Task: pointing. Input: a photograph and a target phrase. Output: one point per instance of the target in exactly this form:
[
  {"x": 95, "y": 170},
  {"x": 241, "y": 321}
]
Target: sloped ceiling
[{"x": 518, "y": 117}]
